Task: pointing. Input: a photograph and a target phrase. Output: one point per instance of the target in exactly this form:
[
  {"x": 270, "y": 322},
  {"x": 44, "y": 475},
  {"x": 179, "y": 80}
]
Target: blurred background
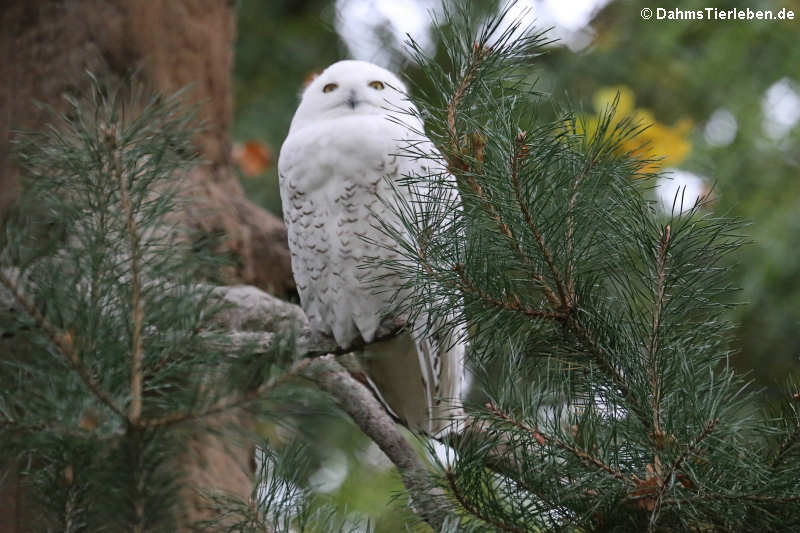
[{"x": 723, "y": 98}]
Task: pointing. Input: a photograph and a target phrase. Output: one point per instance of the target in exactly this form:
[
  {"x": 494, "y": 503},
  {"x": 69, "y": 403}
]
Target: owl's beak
[{"x": 352, "y": 101}]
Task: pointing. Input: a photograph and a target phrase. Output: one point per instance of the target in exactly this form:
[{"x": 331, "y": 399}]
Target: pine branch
[
  {"x": 576, "y": 183},
  {"x": 692, "y": 448},
  {"x": 54, "y": 427},
  {"x": 585, "y": 337},
  {"x": 476, "y": 511},
  {"x": 513, "y": 304},
  {"x": 787, "y": 444},
  {"x": 111, "y": 139},
  {"x": 792, "y": 439},
  {"x": 476, "y": 57},
  {"x": 64, "y": 344},
  {"x": 542, "y": 439},
  {"x": 517, "y": 157},
  {"x": 498, "y": 455},
  {"x": 653, "y": 344},
  {"x": 250, "y": 396},
  {"x": 757, "y": 498},
  {"x": 664, "y": 481}
]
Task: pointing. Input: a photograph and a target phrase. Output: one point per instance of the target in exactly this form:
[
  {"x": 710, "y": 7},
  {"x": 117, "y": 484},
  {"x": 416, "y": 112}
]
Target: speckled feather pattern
[{"x": 333, "y": 167}]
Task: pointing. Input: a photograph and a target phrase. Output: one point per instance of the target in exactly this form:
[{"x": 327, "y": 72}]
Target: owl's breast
[
  {"x": 331, "y": 177},
  {"x": 357, "y": 148}
]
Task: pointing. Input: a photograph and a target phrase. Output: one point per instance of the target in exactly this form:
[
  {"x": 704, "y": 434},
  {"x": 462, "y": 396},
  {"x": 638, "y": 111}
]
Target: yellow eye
[
  {"x": 377, "y": 85},
  {"x": 330, "y": 87}
]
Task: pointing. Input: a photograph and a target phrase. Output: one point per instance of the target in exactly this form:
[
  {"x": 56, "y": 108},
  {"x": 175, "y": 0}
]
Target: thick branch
[
  {"x": 256, "y": 316},
  {"x": 358, "y": 402}
]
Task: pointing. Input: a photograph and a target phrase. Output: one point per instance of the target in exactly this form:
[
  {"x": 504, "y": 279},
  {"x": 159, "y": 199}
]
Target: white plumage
[{"x": 333, "y": 166}]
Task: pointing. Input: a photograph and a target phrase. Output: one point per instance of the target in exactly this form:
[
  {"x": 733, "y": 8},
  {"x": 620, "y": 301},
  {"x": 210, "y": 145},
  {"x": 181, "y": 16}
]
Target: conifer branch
[
  {"x": 653, "y": 344},
  {"x": 543, "y": 439},
  {"x": 692, "y": 448},
  {"x": 55, "y": 427},
  {"x": 664, "y": 481},
  {"x": 599, "y": 355},
  {"x": 517, "y": 158},
  {"x": 789, "y": 442},
  {"x": 512, "y": 304},
  {"x": 70, "y": 509},
  {"x": 476, "y": 57},
  {"x": 573, "y": 199},
  {"x": 461, "y": 171},
  {"x": 759, "y": 498},
  {"x": 250, "y": 396},
  {"x": 792, "y": 439},
  {"x": 475, "y": 511},
  {"x": 111, "y": 138},
  {"x": 63, "y": 342}
]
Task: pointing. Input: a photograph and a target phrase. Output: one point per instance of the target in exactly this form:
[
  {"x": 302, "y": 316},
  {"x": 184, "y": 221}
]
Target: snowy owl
[{"x": 343, "y": 143}]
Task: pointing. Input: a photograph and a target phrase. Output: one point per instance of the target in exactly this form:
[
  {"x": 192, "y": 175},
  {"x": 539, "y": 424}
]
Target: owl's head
[{"x": 349, "y": 88}]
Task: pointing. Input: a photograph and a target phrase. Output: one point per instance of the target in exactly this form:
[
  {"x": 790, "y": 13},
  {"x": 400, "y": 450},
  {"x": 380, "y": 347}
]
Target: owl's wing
[
  {"x": 309, "y": 240},
  {"x": 359, "y": 246}
]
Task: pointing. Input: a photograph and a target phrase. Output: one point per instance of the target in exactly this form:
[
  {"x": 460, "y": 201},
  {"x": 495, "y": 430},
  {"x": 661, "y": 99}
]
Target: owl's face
[{"x": 350, "y": 88}]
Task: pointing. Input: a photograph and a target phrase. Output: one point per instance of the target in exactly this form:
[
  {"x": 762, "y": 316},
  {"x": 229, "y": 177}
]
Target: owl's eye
[
  {"x": 377, "y": 85},
  {"x": 330, "y": 87}
]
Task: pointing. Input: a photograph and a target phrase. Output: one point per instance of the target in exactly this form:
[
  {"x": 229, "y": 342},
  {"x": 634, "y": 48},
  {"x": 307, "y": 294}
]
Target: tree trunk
[{"x": 47, "y": 46}]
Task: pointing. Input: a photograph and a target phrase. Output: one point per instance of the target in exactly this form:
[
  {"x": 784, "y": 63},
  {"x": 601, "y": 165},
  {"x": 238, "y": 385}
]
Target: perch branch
[{"x": 357, "y": 401}]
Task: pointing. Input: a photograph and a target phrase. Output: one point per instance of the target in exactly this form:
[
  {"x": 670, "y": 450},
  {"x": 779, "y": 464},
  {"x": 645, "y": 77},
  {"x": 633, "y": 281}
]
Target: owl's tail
[{"x": 419, "y": 382}]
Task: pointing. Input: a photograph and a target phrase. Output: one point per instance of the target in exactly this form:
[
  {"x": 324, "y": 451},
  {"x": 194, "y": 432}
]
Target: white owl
[{"x": 343, "y": 142}]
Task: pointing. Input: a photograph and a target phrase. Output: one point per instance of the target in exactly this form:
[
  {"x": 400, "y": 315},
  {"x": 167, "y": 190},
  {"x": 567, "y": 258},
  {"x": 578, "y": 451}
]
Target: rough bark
[{"x": 47, "y": 46}]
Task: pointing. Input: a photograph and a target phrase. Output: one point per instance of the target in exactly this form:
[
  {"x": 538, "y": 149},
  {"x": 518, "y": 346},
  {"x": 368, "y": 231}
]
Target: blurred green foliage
[
  {"x": 280, "y": 43},
  {"x": 677, "y": 71}
]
